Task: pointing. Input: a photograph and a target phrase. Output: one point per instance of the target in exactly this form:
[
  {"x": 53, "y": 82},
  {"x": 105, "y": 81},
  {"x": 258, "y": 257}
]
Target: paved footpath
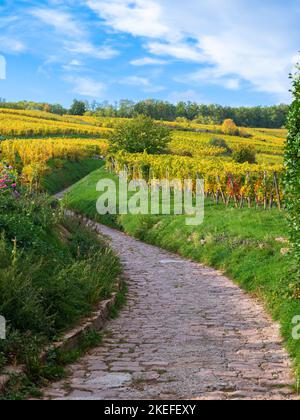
[{"x": 187, "y": 332}]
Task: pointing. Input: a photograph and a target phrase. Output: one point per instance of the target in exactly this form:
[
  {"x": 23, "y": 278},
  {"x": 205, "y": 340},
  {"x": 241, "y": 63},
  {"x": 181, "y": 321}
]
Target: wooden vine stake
[
  {"x": 265, "y": 191},
  {"x": 277, "y": 190},
  {"x": 222, "y": 193},
  {"x": 234, "y": 195}
]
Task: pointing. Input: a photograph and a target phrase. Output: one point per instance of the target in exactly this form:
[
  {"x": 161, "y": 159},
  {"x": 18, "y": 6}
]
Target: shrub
[
  {"x": 139, "y": 135},
  {"x": 243, "y": 154},
  {"x": 230, "y": 128},
  {"x": 292, "y": 162},
  {"x": 217, "y": 142}
]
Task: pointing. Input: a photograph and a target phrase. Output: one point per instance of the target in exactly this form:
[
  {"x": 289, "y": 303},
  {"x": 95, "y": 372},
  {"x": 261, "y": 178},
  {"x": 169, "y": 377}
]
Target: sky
[{"x": 230, "y": 52}]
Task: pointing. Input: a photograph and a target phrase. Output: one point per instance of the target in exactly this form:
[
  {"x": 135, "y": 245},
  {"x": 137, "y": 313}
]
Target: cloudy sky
[{"x": 235, "y": 52}]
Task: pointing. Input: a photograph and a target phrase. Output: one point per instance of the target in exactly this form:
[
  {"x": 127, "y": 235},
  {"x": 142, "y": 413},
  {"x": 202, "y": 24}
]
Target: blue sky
[{"x": 232, "y": 52}]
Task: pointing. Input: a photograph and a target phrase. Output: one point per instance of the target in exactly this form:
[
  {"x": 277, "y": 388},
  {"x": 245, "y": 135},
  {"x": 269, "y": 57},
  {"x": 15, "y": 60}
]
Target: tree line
[{"x": 258, "y": 116}]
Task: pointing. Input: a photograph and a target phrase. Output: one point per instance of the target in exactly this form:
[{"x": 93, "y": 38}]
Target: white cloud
[
  {"x": 143, "y": 83},
  {"x": 178, "y": 50},
  {"x": 76, "y": 63},
  {"x": 267, "y": 71},
  {"x": 148, "y": 61},
  {"x": 136, "y": 81},
  {"x": 233, "y": 84},
  {"x": 87, "y": 87},
  {"x": 60, "y": 20},
  {"x": 11, "y": 45},
  {"x": 7, "y": 20},
  {"x": 253, "y": 42},
  {"x": 212, "y": 75},
  {"x": 103, "y": 52},
  {"x": 138, "y": 17}
]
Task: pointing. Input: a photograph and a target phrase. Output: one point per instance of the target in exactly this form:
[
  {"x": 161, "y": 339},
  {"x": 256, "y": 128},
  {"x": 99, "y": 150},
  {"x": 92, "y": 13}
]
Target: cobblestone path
[{"x": 187, "y": 332}]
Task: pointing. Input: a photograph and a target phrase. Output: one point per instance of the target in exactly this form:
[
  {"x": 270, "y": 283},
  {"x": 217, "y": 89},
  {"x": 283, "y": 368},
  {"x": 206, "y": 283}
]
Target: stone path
[{"x": 187, "y": 332}]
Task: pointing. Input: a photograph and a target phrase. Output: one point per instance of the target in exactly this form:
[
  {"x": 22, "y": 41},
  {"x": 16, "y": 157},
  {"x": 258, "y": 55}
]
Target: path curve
[{"x": 187, "y": 332}]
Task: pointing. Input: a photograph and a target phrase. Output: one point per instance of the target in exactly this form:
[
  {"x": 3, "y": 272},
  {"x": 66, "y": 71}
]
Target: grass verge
[
  {"x": 65, "y": 173},
  {"x": 53, "y": 272}
]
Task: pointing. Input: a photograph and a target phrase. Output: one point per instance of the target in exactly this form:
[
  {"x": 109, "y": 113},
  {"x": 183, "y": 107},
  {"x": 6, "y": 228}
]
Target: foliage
[
  {"x": 292, "y": 162},
  {"x": 230, "y": 128},
  {"x": 16, "y": 123},
  {"x": 78, "y": 108},
  {"x": 231, "y": 181},
  {"x": 139, "y": 135},
  {"x": 37, "y": 106},
  {"x": 270, "y": 117},
  {"x": 30, "y": 156},
  {"x": 268, "y": 144},
  {"x": 218, "y": 142},
  {"x": 243, "y": 154},
  {"x": 52, "y": 272},
  {"x": 8, "y": 179}
]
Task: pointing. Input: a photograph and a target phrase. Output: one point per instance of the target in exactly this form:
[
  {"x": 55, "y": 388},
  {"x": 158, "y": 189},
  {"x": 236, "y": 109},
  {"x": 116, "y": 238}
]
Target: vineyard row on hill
[
  {"x": 30, "y": 156},
  {"x": 227, "y": 182}
]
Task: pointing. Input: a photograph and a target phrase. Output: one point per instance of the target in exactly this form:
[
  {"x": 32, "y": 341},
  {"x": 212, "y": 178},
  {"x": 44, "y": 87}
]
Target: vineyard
[
  {"x": 35, "y": 123},
  {"x": 31, "y": 156},
  {"x": 268, "y": 146},
  {"x": 32, "y": 138},
  {"x": 254, "y": 185}
]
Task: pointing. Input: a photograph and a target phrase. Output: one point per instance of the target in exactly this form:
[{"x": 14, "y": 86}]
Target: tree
[
  {"x": 292, "y": 162},
  {"x": 58, "y": 109},
  {"x": 47, "y": 108},
  {"x": 229, "y": 127},
  {"x": 139, "y": 135},
  {"x": 243, "y": 154},
  {"x": 78, "y": 108}
]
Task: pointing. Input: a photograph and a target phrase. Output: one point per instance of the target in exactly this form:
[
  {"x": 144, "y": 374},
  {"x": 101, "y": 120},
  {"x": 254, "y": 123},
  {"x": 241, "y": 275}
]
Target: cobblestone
[{"x": 187, "y": 332}]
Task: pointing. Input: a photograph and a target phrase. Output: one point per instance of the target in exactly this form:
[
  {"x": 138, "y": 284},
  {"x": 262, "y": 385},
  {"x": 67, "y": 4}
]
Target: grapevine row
[{"x": 227, "y": 182}]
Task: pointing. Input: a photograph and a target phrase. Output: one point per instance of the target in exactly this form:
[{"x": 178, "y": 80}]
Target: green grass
[
  {"x": 53, "y": 272},
  {"x": 240, "y": 242},
  {"x": 65, "y": 173}
]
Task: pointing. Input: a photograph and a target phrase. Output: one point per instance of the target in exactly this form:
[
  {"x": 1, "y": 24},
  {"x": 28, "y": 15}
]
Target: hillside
[{"x": 244, "y": 233}]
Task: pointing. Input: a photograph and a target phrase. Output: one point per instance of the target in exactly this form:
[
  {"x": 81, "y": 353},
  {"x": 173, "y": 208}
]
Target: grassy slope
[
  {"x": 70, "y": 172},
  {"x": 240, "y": 242}
]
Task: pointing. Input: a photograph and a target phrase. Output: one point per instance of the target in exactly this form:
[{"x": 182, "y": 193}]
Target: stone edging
[{"x": 71, "y": 339}]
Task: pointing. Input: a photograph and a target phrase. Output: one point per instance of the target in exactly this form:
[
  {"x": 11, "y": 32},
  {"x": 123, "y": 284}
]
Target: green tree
[
  {"x": 139, "y": 135},
  {"x": 57, "y": 109},
  {"x": 292, "y": 162},
  {"x": 78, "y": 108}
]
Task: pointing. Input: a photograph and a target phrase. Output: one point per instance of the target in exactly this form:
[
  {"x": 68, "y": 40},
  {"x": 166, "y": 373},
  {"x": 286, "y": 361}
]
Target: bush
[
  {"x": 230, "y": 128},
  {"x": 139, "y": 135},
  {"x": 217, "y": 142},
  {"x": 244, "y": 154},
  {"x": 292, "y": 161}
]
